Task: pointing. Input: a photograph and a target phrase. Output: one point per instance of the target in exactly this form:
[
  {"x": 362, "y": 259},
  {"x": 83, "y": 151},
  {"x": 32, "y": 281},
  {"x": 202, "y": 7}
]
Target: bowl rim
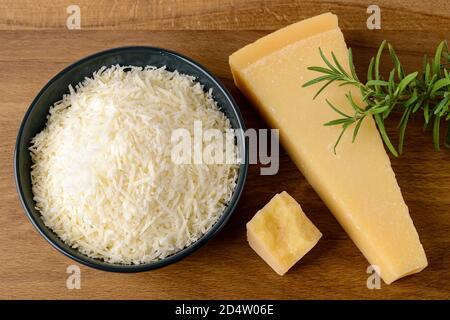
[{"x": 179, "y": 255}]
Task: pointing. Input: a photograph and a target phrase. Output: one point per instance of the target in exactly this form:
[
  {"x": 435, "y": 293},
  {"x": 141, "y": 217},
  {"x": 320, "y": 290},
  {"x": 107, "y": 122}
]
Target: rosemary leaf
[{"x": 427, "y": 91}]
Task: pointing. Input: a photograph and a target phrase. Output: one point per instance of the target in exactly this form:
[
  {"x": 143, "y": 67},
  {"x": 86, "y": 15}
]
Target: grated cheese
[{"x": 102, "y": 175}]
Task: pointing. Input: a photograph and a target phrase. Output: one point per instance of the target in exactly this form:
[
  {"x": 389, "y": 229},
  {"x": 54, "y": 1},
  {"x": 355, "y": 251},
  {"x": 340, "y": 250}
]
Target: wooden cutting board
[{"x": 35, "y": 45}]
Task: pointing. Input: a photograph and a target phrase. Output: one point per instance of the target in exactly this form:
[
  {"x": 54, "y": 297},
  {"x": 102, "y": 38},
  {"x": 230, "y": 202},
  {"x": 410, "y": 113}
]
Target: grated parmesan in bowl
[{"x": 103, "y": 178}]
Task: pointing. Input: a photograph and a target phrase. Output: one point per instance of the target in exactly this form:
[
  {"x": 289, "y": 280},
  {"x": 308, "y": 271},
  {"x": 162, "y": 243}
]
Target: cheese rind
[
  {"x": 281, "y": 38},
  {"x": 357, "y": 184},
  {"x": 281, "y": 233}
]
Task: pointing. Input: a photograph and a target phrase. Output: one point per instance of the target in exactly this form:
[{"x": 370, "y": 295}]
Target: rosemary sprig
[{"x": 427, "y": 92}]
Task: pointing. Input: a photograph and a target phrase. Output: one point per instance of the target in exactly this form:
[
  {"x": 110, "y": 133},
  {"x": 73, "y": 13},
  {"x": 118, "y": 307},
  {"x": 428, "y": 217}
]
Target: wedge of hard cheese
[
  {"x": 357, "y": 184},
  {"x": 281, "y": 234}
]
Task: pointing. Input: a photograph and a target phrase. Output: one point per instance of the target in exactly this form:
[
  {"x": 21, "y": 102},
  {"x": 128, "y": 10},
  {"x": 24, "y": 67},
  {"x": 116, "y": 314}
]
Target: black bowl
[{"x": 35, "y": 120}]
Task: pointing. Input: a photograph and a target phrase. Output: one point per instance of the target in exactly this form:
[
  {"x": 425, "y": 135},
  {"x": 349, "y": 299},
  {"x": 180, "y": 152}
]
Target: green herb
[{"x": 426, "y": 92}]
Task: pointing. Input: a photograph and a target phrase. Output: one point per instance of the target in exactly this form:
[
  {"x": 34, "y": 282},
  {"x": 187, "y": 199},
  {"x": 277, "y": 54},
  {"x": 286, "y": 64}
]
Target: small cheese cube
[{"x": 281, "y": 233}]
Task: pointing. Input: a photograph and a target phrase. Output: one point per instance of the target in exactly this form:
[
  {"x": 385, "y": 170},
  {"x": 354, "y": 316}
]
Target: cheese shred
[{"x": 102, "y": 175}]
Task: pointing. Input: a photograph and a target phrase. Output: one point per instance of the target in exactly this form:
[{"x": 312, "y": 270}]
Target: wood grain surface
[
  {"x": 34, "y": 45},
  {"x": 220, "y": 14}
]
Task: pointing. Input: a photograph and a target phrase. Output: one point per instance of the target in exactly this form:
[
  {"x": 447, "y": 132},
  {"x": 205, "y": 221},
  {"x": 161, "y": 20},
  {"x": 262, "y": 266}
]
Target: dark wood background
[{"x": 35, "y": 44}]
